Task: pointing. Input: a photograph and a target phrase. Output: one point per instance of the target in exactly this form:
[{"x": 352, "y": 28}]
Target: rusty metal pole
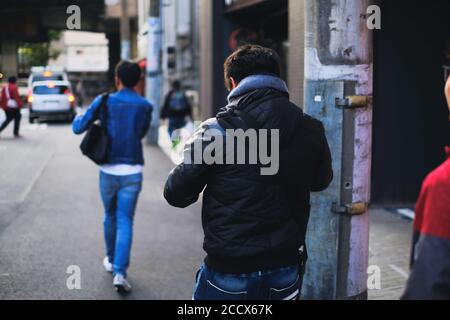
[{"x": 338, "y": 77}]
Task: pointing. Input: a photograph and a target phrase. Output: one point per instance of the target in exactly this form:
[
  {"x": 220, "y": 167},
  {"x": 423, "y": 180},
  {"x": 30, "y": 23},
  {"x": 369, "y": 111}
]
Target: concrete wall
[
  {"x": 115, "y": 11},
  {"x": 339, "y": 64},
  {"x": 8, "y": 58},
  {"x": 296, "y": 70},
  {"x": 212, "y": 53},
  {"x": 206, "y": 52}
]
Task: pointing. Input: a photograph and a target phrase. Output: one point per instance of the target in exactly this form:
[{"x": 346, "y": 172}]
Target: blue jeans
[
  {"x": 119, "y": 195},
  {"x": 281, "y": 284}
]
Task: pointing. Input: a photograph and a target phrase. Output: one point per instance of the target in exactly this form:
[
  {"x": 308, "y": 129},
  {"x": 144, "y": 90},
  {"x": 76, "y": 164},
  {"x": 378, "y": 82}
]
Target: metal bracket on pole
[
  {"x": 353, "y": 209},
  {"x": 354, "y": 102}
]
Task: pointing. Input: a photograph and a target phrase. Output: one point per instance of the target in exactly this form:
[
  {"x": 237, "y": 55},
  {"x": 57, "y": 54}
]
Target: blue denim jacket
[{"x": 128, "y": 120}]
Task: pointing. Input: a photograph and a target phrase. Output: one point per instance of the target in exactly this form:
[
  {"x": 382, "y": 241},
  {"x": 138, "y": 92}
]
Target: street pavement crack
[{"x": 36, "y": 177}]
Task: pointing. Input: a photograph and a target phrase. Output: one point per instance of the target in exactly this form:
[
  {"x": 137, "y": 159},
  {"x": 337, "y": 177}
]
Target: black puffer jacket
[{"x": 254, "y": 222}]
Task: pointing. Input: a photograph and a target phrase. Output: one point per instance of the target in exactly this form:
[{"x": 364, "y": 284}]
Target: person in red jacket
[
  {"x": 430, "y": 260},
  {"x": 10, "y": 102}
]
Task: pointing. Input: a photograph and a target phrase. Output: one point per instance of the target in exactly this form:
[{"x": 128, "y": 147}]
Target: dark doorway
[
  {"x": 411, "y": 124},
  {"x": 239, "y": 22},
  {"x": 264, "y": 23}
]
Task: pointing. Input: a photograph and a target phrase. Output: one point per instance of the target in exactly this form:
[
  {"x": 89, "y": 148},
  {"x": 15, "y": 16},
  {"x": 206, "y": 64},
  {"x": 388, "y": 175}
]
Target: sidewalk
[
  {"x": 51, "y": 218},
  {"x": 389, "y": 249}
]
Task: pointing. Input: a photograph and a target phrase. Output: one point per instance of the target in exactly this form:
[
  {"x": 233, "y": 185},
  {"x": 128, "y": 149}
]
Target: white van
[{"x": 51, "y": 100}]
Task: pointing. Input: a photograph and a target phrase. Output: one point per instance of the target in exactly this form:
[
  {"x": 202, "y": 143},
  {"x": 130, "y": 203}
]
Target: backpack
[{"x": 178, "y": 101}]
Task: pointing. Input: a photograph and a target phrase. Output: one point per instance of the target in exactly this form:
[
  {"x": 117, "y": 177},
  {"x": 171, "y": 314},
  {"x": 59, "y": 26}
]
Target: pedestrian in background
[
  {"x": 430, "y": 260},
  {"x": 254, "y": 225},
  {"x": 11, "y": 103},
  {"x": 81, "y": 93},
  {"x": 176, "y": 109},
  {"x": 128, "y": 118}
]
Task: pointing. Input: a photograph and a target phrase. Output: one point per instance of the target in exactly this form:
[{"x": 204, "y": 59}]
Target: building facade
[
  {"x": 180, "y": 42},
  {"x": 410, "y": 126},
  {"x": 227, "y": 24},
  {"x": 410, "y": 117}
]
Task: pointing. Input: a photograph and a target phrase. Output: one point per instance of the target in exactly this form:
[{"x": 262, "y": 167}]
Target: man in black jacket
[{"x": 254, "y": 223}]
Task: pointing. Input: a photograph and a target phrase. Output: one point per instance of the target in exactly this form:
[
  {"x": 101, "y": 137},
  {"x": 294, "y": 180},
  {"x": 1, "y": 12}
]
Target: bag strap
[{"x": 103, "y": 106}]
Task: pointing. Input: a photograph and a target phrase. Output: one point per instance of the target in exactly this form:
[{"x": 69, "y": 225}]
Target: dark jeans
[
  {"x": 175, "y": 124},
  {"x": 12, "y": 114},
  {"x": 281, "y": 284},
  {"x": 120, "y": 196}
]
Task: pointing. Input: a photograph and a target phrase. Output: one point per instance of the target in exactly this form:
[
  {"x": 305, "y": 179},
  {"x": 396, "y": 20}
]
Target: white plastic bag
[
  {"x": 187, "y": 131},
  {"x": 2, "y": 116},
  {"x": 175, "y": 149},
  {"x": 183, "y": 135}
]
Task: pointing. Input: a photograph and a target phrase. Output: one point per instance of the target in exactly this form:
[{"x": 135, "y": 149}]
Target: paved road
[
  {"x": 390, "y": 248},
  {"x": 51, "y": 218}
]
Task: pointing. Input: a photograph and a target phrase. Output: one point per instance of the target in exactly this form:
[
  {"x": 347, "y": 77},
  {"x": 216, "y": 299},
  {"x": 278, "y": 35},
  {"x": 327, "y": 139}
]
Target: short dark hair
[
  {"x": 129, "y": 73},
  {"x": 251, "y": 60},
  {"x": 176, "y": 85},
  {"x": 12, "y": 80}
]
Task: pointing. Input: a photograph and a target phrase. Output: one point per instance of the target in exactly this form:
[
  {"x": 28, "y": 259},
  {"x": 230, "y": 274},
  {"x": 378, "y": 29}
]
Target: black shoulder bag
[{"x": 95, "y": 142}]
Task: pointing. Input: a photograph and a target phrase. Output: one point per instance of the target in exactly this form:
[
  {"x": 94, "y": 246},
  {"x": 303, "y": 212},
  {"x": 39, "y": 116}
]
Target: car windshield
[
  {"x": 49, "y": 78},
  {"x": 51, "y": 90}
]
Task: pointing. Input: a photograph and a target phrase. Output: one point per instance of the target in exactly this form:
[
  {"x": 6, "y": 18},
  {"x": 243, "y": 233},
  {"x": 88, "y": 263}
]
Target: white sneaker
[
  {"x": 121, "y": 284},
  {"x": 108, "y": 266}
]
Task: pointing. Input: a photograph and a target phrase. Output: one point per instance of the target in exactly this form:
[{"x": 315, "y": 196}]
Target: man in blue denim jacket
[{"x": 128, "y": 118}]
